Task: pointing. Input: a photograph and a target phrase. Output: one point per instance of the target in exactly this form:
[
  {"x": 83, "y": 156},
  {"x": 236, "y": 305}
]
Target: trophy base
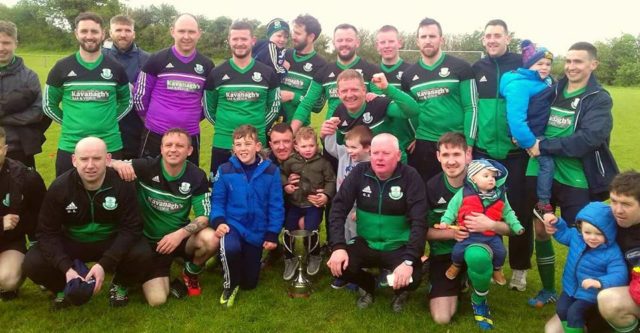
[{"x": 293, "y": 294}]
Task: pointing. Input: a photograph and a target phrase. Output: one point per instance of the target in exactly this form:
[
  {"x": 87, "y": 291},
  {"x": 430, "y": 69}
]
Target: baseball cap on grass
[{"x": 77, "y": 291}]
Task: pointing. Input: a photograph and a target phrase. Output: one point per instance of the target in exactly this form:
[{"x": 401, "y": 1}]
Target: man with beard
[
  {"x": 345, "y": 42},
  {"x": 169, "y": 89},
  {"x": 304, "y": 64},
  {"x": 87, "y": 93},
  {"x": 241, "y": 91},
  {"x": 444, "y": 88},
  {"x": 131, "y": 57}
]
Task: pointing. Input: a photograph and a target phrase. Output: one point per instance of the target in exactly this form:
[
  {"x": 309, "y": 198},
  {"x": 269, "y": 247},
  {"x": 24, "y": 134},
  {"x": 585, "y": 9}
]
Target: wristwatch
[{"x": 408, "y": 262}]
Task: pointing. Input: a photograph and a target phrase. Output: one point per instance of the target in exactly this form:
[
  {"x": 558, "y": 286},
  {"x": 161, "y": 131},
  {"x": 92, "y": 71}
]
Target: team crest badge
[
  {"x": 106, "y": 74},
  {"x": 110, "y": 203},
  {"x": 199, "y": 69},
  {"x": 399, "y": 75},
  {"x": 444, "y": 72},
  {"x": 574, "y": 104},
  {"x": 367, "y": 118},
  {"x": 6, "y": 201},
  {"x": 308, "y": 67},
  {"x": 395, "y": 193},
  {"x": 184, "y": 188},
  {"x": 257, "y": 77}
]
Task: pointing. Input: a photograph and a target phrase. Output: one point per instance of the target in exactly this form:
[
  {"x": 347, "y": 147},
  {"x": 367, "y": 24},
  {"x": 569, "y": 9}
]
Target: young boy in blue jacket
[
  {"x": 247, "y": 212},
  {"x": 594, "y": 262},
  {"x": 528, "y": 91}
]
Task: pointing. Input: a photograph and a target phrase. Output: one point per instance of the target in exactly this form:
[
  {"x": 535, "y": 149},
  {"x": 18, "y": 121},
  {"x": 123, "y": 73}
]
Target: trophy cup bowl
[{"x": 300, "y": 286}]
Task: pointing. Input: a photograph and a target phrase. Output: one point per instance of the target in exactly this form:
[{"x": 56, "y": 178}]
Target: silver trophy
[{"x": 300, "y": 285}]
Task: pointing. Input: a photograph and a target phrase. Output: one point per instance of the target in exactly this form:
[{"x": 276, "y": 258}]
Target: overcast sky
[{"x": 554, "y": 24}]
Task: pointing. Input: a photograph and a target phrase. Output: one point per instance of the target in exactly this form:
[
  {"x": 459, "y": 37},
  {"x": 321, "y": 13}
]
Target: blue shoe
[
  {"x": 543, "y": 297},
  {"x": 482, "y": 315}
]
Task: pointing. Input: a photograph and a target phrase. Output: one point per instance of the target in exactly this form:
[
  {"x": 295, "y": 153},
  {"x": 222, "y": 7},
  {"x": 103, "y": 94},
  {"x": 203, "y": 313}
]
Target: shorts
[
  {"x": 161, "y": 263},
  {"x": 441, "y": 286}
]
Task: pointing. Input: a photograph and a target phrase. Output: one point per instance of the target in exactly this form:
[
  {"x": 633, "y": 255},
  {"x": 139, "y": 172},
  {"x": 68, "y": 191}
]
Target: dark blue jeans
[
  {"x": 493, "y": 242},
  {"x": 545, "y": 178},
  {"x": 573, "y": 310}
]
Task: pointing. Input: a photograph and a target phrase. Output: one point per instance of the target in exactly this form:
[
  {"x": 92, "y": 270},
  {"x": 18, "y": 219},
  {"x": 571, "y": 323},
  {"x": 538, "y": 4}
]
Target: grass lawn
[{"x": 268, "y": 309}]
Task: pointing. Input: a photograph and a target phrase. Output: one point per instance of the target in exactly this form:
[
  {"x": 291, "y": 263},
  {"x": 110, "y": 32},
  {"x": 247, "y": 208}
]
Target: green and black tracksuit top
[
  {"x": 166, "y": 201},
  {"x": 237, "y": 96},
  {"x": 303, "y": 67},
  {"x": 390, "y": 213},
  {"x": 69, "y": 211},
  {"x": 325, "y": 84},
  {"x": 439, "y": 194},
  {"x": 446, "y": 94},
  {"x": 493, "y": 132},
  {"x": 87, "y": 99}
]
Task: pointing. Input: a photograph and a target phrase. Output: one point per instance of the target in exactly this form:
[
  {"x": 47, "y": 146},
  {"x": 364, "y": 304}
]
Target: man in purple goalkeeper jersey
[{"x": 168, "y": 91}]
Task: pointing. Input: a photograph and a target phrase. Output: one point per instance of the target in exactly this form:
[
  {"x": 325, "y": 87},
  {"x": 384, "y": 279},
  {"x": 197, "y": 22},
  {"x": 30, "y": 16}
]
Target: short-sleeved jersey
[
  {"x": 302, "y": 69},
  {"x": 166, "y": 201},
  {"x": 169, "y": 91},
  {"x": 88, "y": 99},
  {"x": 373, "y": 115},
  {"x": 446, "y": 94},
  {"x": 439, "y": 193},
  {"x": 240, "y": 96}
]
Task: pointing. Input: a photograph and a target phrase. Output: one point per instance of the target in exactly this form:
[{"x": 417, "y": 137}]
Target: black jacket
[
  {"x": 21, "y": 108},
  {"x": 21, "y": 192},
  {"x": 68, "y": 204},
  {"x": 590, "y": 140}
]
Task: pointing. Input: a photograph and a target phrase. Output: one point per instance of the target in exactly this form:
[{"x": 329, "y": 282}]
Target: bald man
[
  {"x": 89, "y": 215},
  {"x": 168, "y": 91},
  {"x": 390, "y": 208}
]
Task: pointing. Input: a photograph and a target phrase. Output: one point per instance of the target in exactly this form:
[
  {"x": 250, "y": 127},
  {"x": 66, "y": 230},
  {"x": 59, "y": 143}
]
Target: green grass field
[{"x": 268, "y": 309}]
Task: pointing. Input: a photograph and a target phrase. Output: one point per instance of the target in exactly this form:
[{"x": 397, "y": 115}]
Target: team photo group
[{"x": 439, "y": 172}]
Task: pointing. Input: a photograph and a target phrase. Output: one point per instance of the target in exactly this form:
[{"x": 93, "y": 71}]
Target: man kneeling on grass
[{"x": 88, "y": 215}]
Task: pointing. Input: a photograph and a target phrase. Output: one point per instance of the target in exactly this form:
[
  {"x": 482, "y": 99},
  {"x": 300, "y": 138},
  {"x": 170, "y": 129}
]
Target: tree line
[{"x": 42, "y": 21}]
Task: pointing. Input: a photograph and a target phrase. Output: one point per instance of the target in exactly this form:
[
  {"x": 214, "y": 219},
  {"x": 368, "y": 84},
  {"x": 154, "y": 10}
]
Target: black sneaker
[
  {"x": 118, "y": 296},
  {"x": 399, "y": 300},
  {"x": 338, "y": 283},
  {"x": 178, "y": 289},
  {"x": 364, "y": 300},
  {"x": 8, "y": 295}
]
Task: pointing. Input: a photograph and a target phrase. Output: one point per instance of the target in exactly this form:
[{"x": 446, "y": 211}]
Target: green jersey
[
  {"x": 439, "y": 193},
  {"x": 240, "y": 96},
  {"x": 446, "y": 94},
  {"x": 302, "y": 69},
  {"x": 87, "y": 99},
  {"x": 166, "y": 201},
  {"x": 324, "y": 84},
  {"x": 568, "y": 170}
]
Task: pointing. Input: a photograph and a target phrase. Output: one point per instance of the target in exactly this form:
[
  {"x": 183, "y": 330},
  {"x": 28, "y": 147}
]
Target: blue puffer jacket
[
  {"x": 254, "y": 207},
  {"x": 528, "y": 101},
  {"x": 604, "y": 263}
]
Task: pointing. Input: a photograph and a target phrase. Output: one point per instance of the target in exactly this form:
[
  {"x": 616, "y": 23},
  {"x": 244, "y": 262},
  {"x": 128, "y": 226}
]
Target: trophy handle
[
  {"x": 314, "y": 245},
  {"x": 284, "y": 241}
]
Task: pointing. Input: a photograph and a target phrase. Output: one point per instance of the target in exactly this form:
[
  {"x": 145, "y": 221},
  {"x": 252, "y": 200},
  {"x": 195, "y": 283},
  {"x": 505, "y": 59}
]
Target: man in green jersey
[
  {"x": 169, "y": 187},
  {"x": 445, "y": 90},
  {"x": 304, "y": 63},
  {"x": 239, "y": 92},
  {"x": 346, "y": 43},
  {"x": 87, "y": 93}
]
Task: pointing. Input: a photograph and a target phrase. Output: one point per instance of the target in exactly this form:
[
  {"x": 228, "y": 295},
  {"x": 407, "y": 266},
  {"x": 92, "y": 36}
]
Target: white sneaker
[{"x": 518, "y": 280}]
